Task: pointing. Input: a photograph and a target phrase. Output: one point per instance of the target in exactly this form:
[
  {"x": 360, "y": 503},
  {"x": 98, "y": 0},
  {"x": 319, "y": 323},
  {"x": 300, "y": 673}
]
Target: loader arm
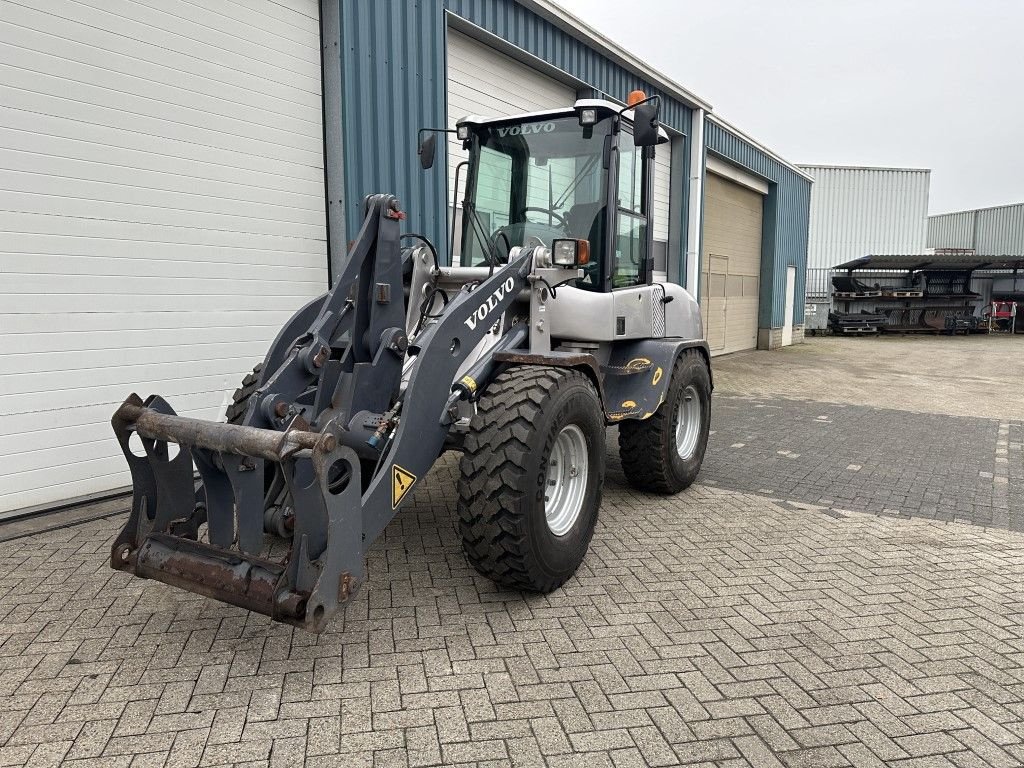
[
  {"x": 429, "y": 399},
  {"x": 316, "y": 419}
]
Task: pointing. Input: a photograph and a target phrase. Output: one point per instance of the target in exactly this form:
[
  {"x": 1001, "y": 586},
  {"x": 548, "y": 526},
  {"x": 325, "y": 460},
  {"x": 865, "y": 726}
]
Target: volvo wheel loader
[{"x": 548, "y": 330}]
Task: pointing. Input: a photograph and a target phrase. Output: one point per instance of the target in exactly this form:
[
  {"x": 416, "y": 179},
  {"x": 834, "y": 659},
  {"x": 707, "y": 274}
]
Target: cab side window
[
  {"x": 494, "y": 184},
  {"x": 630, "y": 241}
]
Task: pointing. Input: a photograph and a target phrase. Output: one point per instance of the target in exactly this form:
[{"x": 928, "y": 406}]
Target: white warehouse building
[{"x": 856, "y": 211}]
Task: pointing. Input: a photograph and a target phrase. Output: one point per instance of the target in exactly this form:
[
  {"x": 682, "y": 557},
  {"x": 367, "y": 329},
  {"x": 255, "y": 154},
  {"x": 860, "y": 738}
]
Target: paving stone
[
  {"x": 771, "y": 614},
  {"x": 855, "y": 436}
]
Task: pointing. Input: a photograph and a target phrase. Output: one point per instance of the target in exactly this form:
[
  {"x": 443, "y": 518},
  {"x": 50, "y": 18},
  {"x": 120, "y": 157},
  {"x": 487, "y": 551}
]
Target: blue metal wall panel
[
  {"x": 393, "y": 84},
  {"x": 786, "y": 221}
]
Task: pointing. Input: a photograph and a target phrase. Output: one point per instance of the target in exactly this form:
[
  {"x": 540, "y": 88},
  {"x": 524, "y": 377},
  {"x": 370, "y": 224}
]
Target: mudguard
[
  {"x": 634, "y": 382},
  {"x": 637, "y": 376}
]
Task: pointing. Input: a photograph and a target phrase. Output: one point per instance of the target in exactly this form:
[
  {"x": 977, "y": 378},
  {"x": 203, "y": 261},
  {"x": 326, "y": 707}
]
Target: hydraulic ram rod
[{"x": 217, "y": 436}]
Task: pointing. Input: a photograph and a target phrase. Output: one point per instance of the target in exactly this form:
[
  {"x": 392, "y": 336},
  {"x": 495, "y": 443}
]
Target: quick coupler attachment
[{"x": 207, "y": 535}]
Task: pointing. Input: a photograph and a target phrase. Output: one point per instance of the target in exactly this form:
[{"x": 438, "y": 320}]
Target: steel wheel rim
[
  {"x": 565, "y": 480},
  {"x": 688, "y": 422}
]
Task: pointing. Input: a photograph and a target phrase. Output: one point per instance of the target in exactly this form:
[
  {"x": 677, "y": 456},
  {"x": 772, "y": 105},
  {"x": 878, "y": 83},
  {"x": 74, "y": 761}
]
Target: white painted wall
[
  {"x": 789, "y": 306},
  {"x": 162, "y": 214},
  {"x": 662, "y": 191}
]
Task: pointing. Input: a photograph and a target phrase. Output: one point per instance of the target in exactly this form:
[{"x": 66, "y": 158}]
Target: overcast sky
[{"x": 913, "y": 83}]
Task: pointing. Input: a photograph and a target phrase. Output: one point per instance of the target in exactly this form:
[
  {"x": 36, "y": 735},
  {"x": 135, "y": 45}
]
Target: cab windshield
[{"x": 533, "y": 182}]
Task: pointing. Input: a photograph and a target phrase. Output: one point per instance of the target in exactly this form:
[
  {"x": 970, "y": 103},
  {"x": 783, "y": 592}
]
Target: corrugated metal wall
[
  {"x": 861, "y": 211},
  {"x": 786, "y": 215},
  {"x": 402, "y": 45},
  {"x": 1000, "y": 230},
  {"x": 951, "y": 230},
  {"x": 393, "y": 84},
  {"x": 990, "y": 231},
  {"x": 393, "y": 72}
]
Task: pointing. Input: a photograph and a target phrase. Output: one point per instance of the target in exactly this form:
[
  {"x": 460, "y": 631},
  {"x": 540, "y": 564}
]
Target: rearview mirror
[
  {"x": 645, "y": 124},
  {"x": 428, "y": 146}
]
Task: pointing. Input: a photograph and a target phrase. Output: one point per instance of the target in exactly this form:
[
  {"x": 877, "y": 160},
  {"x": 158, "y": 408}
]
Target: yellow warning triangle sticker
[{"x": 401, "y": 481}]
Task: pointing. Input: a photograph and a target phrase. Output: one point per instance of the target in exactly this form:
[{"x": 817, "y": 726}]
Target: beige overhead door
[{"x": 730, "y": 264}]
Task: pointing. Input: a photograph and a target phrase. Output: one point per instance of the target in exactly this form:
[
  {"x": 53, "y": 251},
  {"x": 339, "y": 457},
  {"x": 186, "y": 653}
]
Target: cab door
[{"x": 629, "y": 200}]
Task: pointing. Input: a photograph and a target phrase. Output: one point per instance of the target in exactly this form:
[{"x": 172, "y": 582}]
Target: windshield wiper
[
  {"x": 575, "y": 182},
  {"x": 481, "y": 234}
]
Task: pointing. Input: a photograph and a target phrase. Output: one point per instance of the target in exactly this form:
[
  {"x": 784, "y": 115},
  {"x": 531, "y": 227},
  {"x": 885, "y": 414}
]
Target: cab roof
[{"x": 599, "y": 104}]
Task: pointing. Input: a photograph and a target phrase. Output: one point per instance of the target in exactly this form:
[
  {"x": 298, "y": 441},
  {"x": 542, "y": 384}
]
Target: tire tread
[
  {"x": 493, "y": 473},
  {"x": 235, "y": 412},
  {"x": 641, "y": 443}
]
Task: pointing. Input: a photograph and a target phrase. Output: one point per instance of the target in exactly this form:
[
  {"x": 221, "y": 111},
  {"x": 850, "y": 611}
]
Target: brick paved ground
[
  {"x": 720, "y": 627},
  {"x": 978, "y": 376},
  {"x": 879, "y": 460}
]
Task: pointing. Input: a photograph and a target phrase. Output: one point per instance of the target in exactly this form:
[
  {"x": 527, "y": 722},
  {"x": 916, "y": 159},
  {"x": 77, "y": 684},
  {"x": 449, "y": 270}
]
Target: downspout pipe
[
  {"x": 693, "y": 215},
  {"x": 334, "y": 160}
]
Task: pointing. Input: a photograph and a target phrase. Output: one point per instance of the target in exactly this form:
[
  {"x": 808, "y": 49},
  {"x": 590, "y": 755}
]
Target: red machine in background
[{"x": 1001, "y": 315}]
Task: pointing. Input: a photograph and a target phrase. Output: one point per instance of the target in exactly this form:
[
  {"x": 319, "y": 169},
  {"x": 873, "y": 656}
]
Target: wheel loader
[{"x": 548, "y": 329}]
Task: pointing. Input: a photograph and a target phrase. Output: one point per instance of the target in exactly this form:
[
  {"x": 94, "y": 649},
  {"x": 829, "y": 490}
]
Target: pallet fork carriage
[{"x": 518, "y": 358}]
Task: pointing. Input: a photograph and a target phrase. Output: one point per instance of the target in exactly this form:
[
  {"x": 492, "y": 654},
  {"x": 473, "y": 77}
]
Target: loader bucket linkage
[
  {"x": 329, "y": 392},
  {"x": 161, "y": 539}
]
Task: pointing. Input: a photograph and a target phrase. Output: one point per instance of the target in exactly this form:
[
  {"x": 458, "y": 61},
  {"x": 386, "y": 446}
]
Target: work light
[{"x": 570, "y": 253}]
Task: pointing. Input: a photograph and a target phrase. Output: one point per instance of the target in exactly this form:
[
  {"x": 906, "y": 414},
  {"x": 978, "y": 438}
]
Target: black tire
[
  {"x": 503, "y": 479},
  {"x": 240, "y": 399},
  {"x": 647, "y": 448},
  {"x": 274, "y": 524}
]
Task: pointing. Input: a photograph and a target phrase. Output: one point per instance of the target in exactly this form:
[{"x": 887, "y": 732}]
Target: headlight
[
  {"x": 462, "y": 131},
  {"x": 588, "y": 116},
  {"x": 570, "y": 253}
]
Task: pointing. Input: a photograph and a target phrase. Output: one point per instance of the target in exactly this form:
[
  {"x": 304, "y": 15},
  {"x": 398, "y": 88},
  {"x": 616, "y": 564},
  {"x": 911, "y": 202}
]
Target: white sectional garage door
[
  {"x": 730, "y": 264},
  {"x": 161, "y": 214},
  {"x": 482, "y": 81}
]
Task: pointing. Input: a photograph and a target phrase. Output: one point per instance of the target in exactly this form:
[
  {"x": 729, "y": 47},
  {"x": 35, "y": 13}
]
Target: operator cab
[{"x": 582, "y": 174}]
